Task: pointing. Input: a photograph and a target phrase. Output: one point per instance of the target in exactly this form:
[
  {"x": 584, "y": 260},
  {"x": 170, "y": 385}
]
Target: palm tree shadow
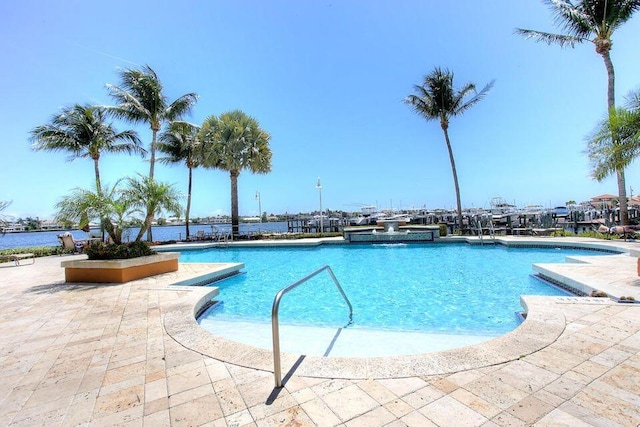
[{"x": 53, "y": 288}]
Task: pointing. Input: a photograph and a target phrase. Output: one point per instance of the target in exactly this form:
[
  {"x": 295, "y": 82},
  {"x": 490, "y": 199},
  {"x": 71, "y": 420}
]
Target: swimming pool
[{"x": 445, "y": 289}]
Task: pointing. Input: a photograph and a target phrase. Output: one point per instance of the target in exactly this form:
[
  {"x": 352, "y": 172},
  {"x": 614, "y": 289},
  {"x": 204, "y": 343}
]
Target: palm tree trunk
[
  {"x": 152, "y": 164},
  {"x": 146, "y": 226},
  {"x": 611, "y": 104},
  {"x": 611, "y": 76},
  {"x": 107, "y": 226},
  {"x": 235, "y": 222},
  {"x": 149, "y": 217},
  {"x": 97, "y": 171},
  {"x": 622, "y": 197},
  {"x": 455, "y": 174},
  {"x": 152, "y": 158},
  {"x": 188, "y": 201},
  {"x": 105, "y": 223}
]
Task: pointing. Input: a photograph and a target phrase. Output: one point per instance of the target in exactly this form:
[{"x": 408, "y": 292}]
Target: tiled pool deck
[{"x": 87, "y": 354}]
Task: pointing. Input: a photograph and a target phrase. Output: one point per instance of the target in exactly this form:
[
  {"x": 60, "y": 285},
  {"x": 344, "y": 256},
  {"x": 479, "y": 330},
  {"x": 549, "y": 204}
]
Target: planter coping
[{"x": 120, "y": 263}]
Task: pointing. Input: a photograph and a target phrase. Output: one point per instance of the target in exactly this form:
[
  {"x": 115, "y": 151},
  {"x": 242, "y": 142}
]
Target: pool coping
[
  {"x": 544, "y": 323},
  {"x": 616, "y": 246}
]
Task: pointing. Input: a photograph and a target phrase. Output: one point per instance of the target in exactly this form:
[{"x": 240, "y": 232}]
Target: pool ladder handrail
[
  {"x": 275, "y": 328},
  {"x": 492, "y": 230}
]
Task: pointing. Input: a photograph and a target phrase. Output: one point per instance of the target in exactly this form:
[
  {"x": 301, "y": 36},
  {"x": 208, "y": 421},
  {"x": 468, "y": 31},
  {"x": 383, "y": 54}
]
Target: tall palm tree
[
  {"x": 83, "y": 131},
  {"x": 182, "y": 144},
  {"x": 144, "y": 192},
  {"x": 235, "y": 142},
  {"x": 591, "y": 21},
  {"x": 141, "y": 100},
  {"x": 436, "y": 99}
]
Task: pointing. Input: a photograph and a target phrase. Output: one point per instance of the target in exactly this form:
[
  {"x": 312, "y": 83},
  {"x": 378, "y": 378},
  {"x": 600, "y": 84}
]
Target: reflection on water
[{"x": 160, "y": 233}]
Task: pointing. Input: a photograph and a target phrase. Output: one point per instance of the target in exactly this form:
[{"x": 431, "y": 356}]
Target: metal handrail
[
  {"x": 275, "y": 329},
  {"x": 492, "y": 231}
]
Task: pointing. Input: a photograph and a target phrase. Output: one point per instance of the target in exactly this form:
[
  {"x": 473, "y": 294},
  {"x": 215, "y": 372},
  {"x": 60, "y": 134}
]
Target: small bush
[
  {"x": 103, "y": 251},
  {"x": 443, "y": 229},
  {"x": 596, "y": 235},
  {"x": 563, "y": 233}
]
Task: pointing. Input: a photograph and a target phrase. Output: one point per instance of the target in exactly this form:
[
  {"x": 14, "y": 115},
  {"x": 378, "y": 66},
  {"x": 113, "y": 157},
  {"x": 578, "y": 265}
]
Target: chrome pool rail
[{"x": 275, "y": 328}]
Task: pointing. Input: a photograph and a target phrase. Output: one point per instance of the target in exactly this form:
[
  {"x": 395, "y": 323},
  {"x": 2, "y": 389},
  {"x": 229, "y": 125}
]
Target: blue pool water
[{"x": 451, "y": 289}]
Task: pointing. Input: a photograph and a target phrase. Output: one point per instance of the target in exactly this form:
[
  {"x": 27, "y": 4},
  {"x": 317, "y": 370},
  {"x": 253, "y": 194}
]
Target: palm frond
[
  {"x": 475, "y": 99},
  {"x": 615, "y": 142},
  {"x": 129, "y": 107},
  {"x": 633, "y": 101},
  {"x": 181, "y": 106},
  {"x": 550, "y": 38},
  {"x": 574, "y": 19}
]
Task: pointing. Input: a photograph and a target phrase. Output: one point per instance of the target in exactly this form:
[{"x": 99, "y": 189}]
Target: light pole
[
  {"x": 259, "y": 210},
  {"x": 319, "y": 187}
]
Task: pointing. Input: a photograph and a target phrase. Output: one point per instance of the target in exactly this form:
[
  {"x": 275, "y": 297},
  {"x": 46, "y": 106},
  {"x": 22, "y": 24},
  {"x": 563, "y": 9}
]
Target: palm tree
[
  {"x": 155, "y": 196},
  {"x": 436, "y": 99},
  {"x": 108, "y": 205},
  {"x": 83, "y": 131},
  {"x": 591, "y": 21},
  {"x": 235, "y": 142},
  {"x": 182, "y": 145},
  {"x": 140, "y": 100},
  {"x": 615, "y": 143}
]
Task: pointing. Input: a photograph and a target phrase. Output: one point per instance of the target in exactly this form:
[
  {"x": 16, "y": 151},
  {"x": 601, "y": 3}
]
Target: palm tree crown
[
  {"x": 182, "y": 144},
  {"x": 83, "y": 131},
  {"x": 587, "y": 21},
  {"x": 141, "y": 99},
  {"x": 615, "y": 143},
  {"x": 436, "y": 99},
  {"x": 235, "y": 142},
  {"x": 108, "y": 205},
  {"x": 144, "y": 192}
]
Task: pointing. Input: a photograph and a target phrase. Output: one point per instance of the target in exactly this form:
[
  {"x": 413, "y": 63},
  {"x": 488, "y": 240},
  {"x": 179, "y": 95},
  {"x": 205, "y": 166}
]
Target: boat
[
  {"x": 502, "y": 212},
  {"x": 400, "y": 219},
  {"x": 13, "y": 228},
  {"x": 327, "y": 222},
  {"x": 369, "y": 215}
]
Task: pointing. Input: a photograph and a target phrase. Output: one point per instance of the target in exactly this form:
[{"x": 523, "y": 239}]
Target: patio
[{"x": 95, "y": 354}]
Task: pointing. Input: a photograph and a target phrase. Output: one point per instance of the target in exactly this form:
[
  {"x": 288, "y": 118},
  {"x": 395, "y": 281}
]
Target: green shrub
[
  {"x": 443, "y": 229},
  {"x": 596, "y": 235},
  {"x": 104, "y": 251},
  {"x": 563, "y": 233}
]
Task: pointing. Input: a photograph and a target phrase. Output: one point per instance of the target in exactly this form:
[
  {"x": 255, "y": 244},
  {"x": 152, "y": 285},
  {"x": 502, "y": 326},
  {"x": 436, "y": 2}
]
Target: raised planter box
[{"x": 120, "y": 270}]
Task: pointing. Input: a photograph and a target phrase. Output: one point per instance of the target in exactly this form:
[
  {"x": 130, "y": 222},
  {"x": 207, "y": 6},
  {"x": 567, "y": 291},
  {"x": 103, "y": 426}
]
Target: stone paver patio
[{"x": 100, "y": 355}]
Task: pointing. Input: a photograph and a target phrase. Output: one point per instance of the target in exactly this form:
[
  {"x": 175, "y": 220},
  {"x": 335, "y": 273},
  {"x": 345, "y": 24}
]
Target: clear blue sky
[{"x": 327, "y": 80}]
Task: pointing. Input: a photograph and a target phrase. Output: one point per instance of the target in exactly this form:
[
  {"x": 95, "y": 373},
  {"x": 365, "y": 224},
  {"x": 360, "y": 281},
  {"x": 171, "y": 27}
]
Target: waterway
[{"x": 32, "y": 239}]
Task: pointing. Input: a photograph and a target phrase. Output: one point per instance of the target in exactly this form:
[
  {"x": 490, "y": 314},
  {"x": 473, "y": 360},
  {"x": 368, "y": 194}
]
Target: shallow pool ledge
[{"x": 544, "y": 323}]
